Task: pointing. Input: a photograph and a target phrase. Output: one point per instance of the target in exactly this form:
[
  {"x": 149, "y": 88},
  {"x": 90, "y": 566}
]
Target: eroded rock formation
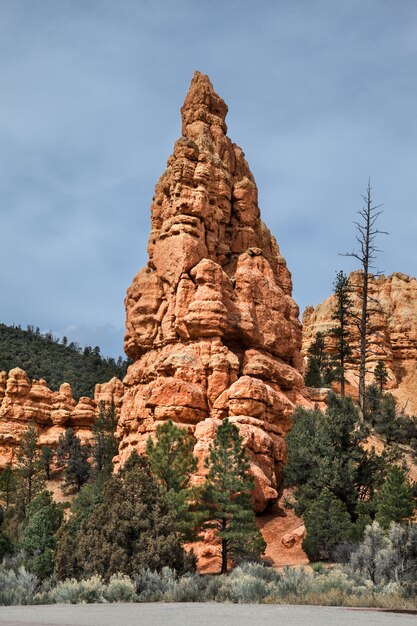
[
  {"x": 393, "y": 338},
  {"x": 22, "y": 401},
  {"x": 210, "y": 322}
]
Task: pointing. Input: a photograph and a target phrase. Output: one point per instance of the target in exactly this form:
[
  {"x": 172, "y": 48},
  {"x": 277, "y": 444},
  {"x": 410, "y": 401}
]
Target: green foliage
[
  {"x": 342, "y": 315},
  {"x": 7, "y": 486},
  {"x": 46, "y": 458},
  {"x": 6, "y": 546},
  {"x": 17, "y": 587},
  {"x": 248, "y": 583},
  {"x": 66, "y": 560},
  {"x": 74, "y": 456},
  {"x": 383, "y": 414},
  {"x": 395, "y": 501},
  {"x": 28, "y": 469},
  {"x": 171, "y": 457},
  {"x": 133, "y": 527},
  {"x": 319, "y": 369},
  {"x": 43, "y": 356},
  {"x": 325, "y": 462},
  {"x": 120, "y": 588},
  {"x": 38, "y": 534},
  {"x": 388, "y": 557},
  {"x": 381, "y": 375},
  {"x": 399, "y": 560},
  {"x": 227, "y": 496},
  {"x": 104, "y": 445},
  {"x": 172, "y": 461},
  {"x": 329, "y": 524}
]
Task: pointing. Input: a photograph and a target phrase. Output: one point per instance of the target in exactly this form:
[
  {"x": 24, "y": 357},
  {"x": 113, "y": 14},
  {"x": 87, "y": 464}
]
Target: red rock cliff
[
  {"x": 210, "y": 322},
  {"x": 394, "y": 333},
  {"x": 22, "y": 401}
]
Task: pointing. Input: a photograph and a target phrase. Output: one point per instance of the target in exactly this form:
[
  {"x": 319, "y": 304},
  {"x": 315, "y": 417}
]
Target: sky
[{"x": 321, "y": 96}]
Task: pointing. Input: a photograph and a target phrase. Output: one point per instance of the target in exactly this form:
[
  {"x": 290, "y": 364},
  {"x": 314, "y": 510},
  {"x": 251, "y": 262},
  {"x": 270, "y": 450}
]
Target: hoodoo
[
  {"x": 210, "y": 322},
  {"x": 392, "y": 333}
]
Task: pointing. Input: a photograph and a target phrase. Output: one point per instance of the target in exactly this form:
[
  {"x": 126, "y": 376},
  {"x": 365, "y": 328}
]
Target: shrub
[
  {"x": 66, "y": 592},
  {"x": 246, "y": 588},
  {"x": 120, "y": 588},
  {"x": 17, "y": 587},
  {"x": 151, "y": 586},
  {"x": 291, "y": 581}
]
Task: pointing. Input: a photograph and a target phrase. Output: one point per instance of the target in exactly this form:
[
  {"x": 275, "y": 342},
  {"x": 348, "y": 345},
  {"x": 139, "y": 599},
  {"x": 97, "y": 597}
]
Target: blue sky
[{"x": 321, "y": 95}]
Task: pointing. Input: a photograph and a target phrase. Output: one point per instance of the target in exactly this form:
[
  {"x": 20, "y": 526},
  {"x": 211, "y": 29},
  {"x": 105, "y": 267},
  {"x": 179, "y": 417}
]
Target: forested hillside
[{"x": 44, "y": 356}]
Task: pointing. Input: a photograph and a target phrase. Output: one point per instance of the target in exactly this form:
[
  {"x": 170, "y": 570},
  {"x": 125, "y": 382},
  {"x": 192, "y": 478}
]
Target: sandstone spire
[{"x": 210, "y": 322}]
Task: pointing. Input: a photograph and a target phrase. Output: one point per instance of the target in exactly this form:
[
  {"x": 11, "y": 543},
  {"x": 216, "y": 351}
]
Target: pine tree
[
  {"x": 28, "y": 468},
  {"x": 227, "y": 496},
  {"x": 342, "y": 314},
  {"x": 172, "y": 462},
  {"x": 395, "y": 501},
  {"x": 104, "y": 445},
  {"x": 89, "y": 497},
  {"x": 7, "y": 486},
  {"x": 319, "y": 369},
  {"x": 381, "y": 375},
  {"x": 75, "y": 457},
  {"x": 329, "y": 524},
  {"x": 133, "y": 528},
  {"x": 38, "y": 535},
  {"x": 6, "y": 546},
  {"x": 47, "y": 455}
]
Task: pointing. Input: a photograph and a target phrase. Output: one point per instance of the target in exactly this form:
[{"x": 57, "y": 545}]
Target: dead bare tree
[{"x": 366, "y": 235}]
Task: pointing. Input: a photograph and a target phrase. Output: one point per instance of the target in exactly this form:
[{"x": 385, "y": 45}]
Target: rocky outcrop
[
  {"x": 23, "y": 401},
  {"x": 393, "y": 338},
  {"x": 210, "y": 322}
]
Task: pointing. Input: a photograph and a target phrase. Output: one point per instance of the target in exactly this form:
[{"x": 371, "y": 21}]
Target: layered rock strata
[
  {"x": 23, "y": 401},
  {"x": 210, "y": 322},
  {"x": 393, "y": 338}
]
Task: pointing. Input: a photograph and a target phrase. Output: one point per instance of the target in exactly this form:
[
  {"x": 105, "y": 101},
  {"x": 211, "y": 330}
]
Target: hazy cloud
[{"x": 321, "y": 95}]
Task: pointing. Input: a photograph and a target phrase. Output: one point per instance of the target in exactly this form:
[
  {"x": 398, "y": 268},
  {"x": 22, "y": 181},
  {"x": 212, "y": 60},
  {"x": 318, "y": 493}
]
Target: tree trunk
[
  {"x": 364, "y": 315},
  {"x": 224, "y": 549}
]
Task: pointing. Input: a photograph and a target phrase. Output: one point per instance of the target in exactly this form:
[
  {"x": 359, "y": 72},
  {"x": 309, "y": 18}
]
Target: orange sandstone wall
[
  {"x": 22, "y": 401},
  {"x": 393, "y": 337}
]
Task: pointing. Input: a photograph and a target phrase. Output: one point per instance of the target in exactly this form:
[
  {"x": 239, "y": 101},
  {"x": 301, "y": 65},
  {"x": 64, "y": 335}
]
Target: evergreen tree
[
  {"x": 75, "y": 457},
  {"x": 28, "y": 468},
  {"x": 342, "y": 315},
  {"x": 325, "y": 454},
  {"x": 386, "y": 421},
  {"x": 329, "y": 524},
  {"x": 227, "y": 496},
  {"x": 381, "y": 375},
  {"x": 104, "y": 445},
  {"x": 395, "y": 500},
  {"x": 373, "y": 403},
  {"x": 7, "y": 486},
  {"x": 47, "y": 455},
  {"x": 319, "y": 369},
  {"x": 134, "y": 527},
  {"x": 38, "y": 535},
  {"x": 172, "y": 462},
  {"x": 6, "y": 546},
  {"x": 89, "y": 497}
]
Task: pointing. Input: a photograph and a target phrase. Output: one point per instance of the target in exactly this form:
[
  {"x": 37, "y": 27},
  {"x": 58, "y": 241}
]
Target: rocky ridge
[
  {"x": 210, "y": 322},
  {"x": 393, "y": 338},
  {"x": 22, "y": 401}
]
